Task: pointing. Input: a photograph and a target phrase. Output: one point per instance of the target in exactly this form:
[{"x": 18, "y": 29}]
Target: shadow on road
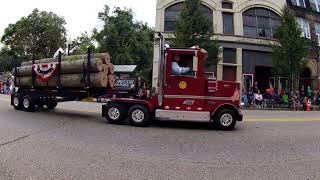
[{"x": 95, "y": 117}]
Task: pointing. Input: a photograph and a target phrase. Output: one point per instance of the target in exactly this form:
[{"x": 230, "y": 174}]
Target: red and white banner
[{"x": 45, "y": 71}]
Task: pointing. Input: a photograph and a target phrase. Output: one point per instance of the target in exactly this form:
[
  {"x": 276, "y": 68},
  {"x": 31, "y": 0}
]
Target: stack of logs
[{"x": 72, "y": 75}]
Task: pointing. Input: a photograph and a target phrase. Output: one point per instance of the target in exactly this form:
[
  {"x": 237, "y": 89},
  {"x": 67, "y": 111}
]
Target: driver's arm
[{"x": 177, "y": 70}]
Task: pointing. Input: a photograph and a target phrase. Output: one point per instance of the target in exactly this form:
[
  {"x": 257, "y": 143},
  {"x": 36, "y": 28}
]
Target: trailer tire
[
  {"x": 28, "y": 103},
  {"x": 51, "y": 104},
  {"x": 139, "y": 116},
  {"x": 16, "y": 102},
  {"x": 225, "y": 120},
  {"x": 115, "y": 113}
]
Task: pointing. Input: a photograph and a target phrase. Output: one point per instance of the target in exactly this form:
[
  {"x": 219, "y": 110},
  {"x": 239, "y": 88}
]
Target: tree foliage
[
  {"x": 9, "y": 59},
  {"x": 128, "y": 42},
  {"x": 194, "y": 29},
  {"x": 291, "y": 54},
  {"x": 81, "y": 44},
  {"x": 41, "y": 33}
]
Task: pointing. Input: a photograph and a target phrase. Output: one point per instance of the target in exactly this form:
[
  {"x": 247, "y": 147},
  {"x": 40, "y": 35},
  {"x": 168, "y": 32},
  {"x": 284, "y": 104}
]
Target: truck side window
[{"x": 182, "y": 65}]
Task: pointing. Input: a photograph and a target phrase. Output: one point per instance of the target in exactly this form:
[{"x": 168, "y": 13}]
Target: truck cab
[{"x": 183, "y": 92}]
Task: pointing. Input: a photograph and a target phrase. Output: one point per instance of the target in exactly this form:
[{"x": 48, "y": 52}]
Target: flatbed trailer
[{"x": 28, "y": 98}]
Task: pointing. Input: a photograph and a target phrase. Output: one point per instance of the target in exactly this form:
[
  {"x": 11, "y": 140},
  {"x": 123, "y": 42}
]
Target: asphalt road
[{"x": 74, "y": 142}]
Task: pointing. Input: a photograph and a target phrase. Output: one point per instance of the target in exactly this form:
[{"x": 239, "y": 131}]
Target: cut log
[
  {"x": 105, "y": 68},
  {"x": 111, "y": 68},
  {"x": 67, "y": 80},
  {"x": 67, "y": 67},
  {"x": 112, "y": 80},
  {"x": 105, "y": 57}
]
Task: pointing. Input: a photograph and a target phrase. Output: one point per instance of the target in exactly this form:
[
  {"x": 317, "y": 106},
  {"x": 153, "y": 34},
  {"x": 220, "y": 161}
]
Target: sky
[{"x": 80, "y": 15}]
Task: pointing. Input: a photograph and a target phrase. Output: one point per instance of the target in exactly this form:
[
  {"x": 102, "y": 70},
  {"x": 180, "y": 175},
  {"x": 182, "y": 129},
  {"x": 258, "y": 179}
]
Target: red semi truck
[
  {"x": 191, "y": 96},
  {"x": 188, "y": 97}
]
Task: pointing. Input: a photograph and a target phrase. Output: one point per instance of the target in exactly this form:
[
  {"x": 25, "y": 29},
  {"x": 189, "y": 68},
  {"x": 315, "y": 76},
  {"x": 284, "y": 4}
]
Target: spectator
[
  {"x": 256, "y": 88},
  {"x": 244, "y": 97},
  {"x": 1, "y": 88},
  {"x": 295, "y": 101},
  {"x": 11, "y": 88},
  {"x": 258, "y": 99},
  {"x": 277, "y": 97},
  {"x": 250, "y": 96},
  {"x": 309, "y": 92},
  {"x": 271, "y": 89},
  {"x": 305, "y": 102},
  {"x": 317, "y": 98}
]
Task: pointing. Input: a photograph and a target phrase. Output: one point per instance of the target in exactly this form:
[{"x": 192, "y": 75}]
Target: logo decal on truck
[{"x": 182, "y": 85}]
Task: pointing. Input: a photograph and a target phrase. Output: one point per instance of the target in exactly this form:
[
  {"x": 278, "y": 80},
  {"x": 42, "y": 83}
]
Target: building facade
[
  {"x": 308, "y": 16},
  {"x": 245, "y": 30}
]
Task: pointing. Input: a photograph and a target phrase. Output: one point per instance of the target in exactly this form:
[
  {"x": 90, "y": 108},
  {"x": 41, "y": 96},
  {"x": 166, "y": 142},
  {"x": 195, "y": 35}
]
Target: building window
[
  {"x": 304, "y": 24},
  {"x": 229, "y": 55},
  {"x": 172, "y": 15},
  {"x": 318, "y": 32},
  {"x": 228, "y": 27},
  {"x": 227, "y": 5},
  {"x": 260, "y": 22},
  {"x": 300, "y": 3},
  {"x": 315, "y": 5}
]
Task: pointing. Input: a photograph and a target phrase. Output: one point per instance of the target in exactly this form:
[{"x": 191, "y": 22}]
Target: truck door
[{"x": 185, "y": 81}]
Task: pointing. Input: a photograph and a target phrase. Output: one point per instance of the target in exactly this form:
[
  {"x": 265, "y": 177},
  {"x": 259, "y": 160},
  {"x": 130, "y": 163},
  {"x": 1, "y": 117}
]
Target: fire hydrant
[{"x": 308, "y": 105}]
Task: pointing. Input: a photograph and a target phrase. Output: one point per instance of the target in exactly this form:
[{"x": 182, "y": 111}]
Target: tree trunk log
[
  {"x": 112, "y": 80},
  {"x": 67, "y": 80},
  {"x": 67, "y": 67},
  {"x": 111, "y": 68},
  {"x": 105, "y": 57},
  {"x": 105, "y": 68}
]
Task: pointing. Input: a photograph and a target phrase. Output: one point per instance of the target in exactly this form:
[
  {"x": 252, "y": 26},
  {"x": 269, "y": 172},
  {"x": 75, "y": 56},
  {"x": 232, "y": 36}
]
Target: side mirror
[{"x": 195, "y": 64}]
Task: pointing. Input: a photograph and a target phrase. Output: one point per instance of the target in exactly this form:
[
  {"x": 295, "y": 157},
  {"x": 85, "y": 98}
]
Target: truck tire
[
  {"x": 16, "y": 102},
  {"x": 115, "y": 113},
  {"x": 225, "y": 120},
  {"x": 51, "y": 103},
  {"x": 139, "y": 116},
  {"x": 28, "y": 103}
]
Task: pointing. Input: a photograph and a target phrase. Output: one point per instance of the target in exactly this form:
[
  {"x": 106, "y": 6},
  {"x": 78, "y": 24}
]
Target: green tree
[
  {"x": 194, "y": 29},
  {"x": 9, "y": 59},
  {"x": 81, "y": 44},
  {"x": 291, "y": 53},
  {"x": 128, "y": 42},
  {"x": 41, "y": 33}
]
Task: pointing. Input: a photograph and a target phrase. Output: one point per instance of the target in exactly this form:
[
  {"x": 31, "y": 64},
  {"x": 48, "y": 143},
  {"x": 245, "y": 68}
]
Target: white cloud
[{"x": 80, "y": 15}]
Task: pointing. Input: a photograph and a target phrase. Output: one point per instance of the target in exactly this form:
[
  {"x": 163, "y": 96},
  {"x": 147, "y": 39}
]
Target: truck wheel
[
  {"x": 16, "y": 102},
  {"x": 139, "y": 116},
  {"x": 28, "y": 103},
  {"x": 51, "y": 104},
  {"x": 115, "y": 113},
  {"x": 225, "y": 120}
]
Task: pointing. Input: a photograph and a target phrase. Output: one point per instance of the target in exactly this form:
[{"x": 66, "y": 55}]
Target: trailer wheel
[
  {"x": 16, "y": 102},
  {"x": 139, "y": 116},
  {"x": 51, "y": 104},
  {"x": 115, "y": 113},
  {"x": 28, "y": 103},
  {"x": 225, "y": 120}
]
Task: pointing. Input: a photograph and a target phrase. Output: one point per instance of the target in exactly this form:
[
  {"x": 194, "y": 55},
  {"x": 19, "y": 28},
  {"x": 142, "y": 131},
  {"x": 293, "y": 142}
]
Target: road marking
[
  {"x": 284, "y": 120},
  {"x": 245, "y": 120}
]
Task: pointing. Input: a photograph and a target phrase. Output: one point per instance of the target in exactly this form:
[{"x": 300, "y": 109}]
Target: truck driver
[{"x": 176, "y": 69}]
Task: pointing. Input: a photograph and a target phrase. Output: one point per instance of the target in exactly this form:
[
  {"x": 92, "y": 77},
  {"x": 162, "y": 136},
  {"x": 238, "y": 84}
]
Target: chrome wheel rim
[
  {"x": 26, "y": 103},
  {"x": 137, "y": 115},
  {"x": 226, "y": 120},
  {"x": 16, "y": 101},
  {"x": 114, "y": 113}
]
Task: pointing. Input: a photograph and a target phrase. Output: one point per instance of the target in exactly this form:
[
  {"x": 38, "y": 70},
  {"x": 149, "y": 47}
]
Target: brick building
[{"x": 245, "y": 30}]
